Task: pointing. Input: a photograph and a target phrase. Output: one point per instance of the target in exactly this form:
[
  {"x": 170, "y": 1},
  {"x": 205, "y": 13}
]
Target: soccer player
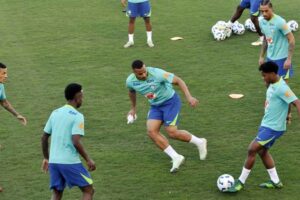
[
  {"x": 253, "y": 6},
  {"x": 66, "y": 127},
  {"x": 279, "y": 42},
  {"x": 139, "y": 8},
  {"x": 156, "y": 85},
  {"x": 3, "y": 100},
  {"x": 273, "y": 126}
]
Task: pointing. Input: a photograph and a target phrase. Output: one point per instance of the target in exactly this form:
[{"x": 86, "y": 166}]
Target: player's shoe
[
  {"x": 128, "y": 44},
  {"x": 150, "y": 43},
  {"x": 177, "y": 161},
  {"x": 237, "y": 186},
  {"x": 258, "y": 42},
  {"x": 271, "y": 185},
  {"x": 202, "y": 149}
]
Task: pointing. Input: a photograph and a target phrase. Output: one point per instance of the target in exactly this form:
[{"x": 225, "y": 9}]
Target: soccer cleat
[
  {"x": 128, "y": 44},
  {"x": 202, "y": 149},
  {"x": 271, "y": 185},
  {"x": 177, "y": 161},
  {"x": 258, "y": 42},
  {"x": 237, "y": 186},
  {"x": 150, "y": 43}
]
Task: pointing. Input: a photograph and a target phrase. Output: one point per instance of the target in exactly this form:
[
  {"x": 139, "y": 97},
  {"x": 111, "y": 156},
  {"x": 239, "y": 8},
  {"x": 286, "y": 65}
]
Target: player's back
[{"x": 62, "y": 121}]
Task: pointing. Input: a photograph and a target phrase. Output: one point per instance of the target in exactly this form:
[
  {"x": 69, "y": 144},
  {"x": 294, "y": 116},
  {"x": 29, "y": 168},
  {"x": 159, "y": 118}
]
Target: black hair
[
  {"x": 2, "y": 66},
  {"x": 71, "y": 90},
  {"x": 266, "y": 2},
  {"x": 269, "y": 67},
  {"x": 137, "y": 64}
]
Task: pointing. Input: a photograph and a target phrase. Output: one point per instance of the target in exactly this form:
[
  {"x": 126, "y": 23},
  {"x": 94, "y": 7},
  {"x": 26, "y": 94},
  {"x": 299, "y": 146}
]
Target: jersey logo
[
  {"x": 166, "y": 75},
  {"x": 285, "y": 27},
  {"x": 72, "y": 112},
  {"x": 81, "y": 126},
  {"x": 289, "y": 93}
]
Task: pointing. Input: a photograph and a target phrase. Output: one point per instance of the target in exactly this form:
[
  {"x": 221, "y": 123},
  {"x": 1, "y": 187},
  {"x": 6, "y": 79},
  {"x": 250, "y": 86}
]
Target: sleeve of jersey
[
  {"x": 2, "y": 95},
  {"x": 284, "y": 28},
  {"x": 129, "y": 85},
  {"x": 287, "y": 95},
  {"x": 164, "y": 76},
  {"x": 78, "y": 125},
  {"x": 48, "y": 126}
]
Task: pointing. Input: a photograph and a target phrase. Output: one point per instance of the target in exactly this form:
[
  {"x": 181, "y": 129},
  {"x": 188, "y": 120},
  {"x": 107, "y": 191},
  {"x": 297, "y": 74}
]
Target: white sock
[
  {"x": 261, "y": 38},
  {"x": 149, "y": 35},
  {"x": 244, "y": 175},
  {"x": 273, "y": 175},
  {"x": 171, "y": 152},
  {"x": 195, "y": 140},
  {"x": 130, "y": 37}
]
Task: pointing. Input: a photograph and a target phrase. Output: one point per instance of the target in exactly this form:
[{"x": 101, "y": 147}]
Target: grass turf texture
[{"x": 48, "y": 44}]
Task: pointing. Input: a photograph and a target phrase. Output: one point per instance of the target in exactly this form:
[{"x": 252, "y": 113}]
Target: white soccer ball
[
  {"x": 238, "y": 28},
  {"x": 224, "y": 182},
  {"x": 249, "y": 25},
  {"x": 214, "y": 29},
  {"x": 293, "y": 25},
  {"x": 220, "y": 35}
]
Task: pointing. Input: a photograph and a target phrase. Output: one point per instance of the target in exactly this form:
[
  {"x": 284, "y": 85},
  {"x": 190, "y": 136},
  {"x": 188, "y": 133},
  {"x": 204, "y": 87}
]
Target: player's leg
[
  {"x": 132, "y": 13},
  {"x": 87, "y": 192},
  {"x": 145, "y": 12},
  {"x": 238, "y": 13},
  {"x": 57, "y": 194},
  {"x": 153, "y": 127},
  {"x": 268, "y": 161},
  {"x": 57, "y": 181},
  {"x": 123, "y": 2},
  {"x": 253, "y": 149},
  {"x": 171, "y": 110},
  {"x": 254, "y": 13}
]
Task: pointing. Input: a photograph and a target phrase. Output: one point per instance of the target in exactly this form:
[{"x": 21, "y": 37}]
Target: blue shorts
[
  {"x": 142, "y": 9},
  {"x": 252, "y": 5},
  {"x": 168, "y": 112},
  {"x": 284, "y": 73},
  {"x": 71, "y": 174},
  {"x": 267, "y": 137}
]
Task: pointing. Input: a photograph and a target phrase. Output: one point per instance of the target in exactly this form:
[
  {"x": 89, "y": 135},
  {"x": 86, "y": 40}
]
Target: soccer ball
[
  {"x": 224, "y": 182},
  {"x": 220, "y": 35},
  {"x": 293, "y": 25},
  {"x": 238, "y": 28},
  {"x": 249, "y": 25},
  {"x": 214, "y": 29}
]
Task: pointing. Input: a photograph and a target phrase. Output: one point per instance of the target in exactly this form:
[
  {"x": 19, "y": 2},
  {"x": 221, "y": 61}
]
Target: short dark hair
[
  {"x": 137, "y": 64},
  {"x": 2, "y": 66},
  {"x": 269, "y": 67},
  {"x": 266, "y": 2},
  {"x": 71, "y": 90}
]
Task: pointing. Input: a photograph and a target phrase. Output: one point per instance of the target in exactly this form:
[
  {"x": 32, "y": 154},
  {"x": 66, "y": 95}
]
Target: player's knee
[
  {"x": 251, "y": 151},
  {"x": 152, "y": 133},
  {"x": 172, "y": 133}
]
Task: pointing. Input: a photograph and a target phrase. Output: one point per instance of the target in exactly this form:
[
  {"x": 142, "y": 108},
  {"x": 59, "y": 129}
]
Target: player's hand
[
  {"x": 91, "y": 165},
  {"x": 45, "y": 165},
  {"x": 22, "y": 119},
  {"x": 287, "y": 64},
  {"x": 193, "y": 101},
  {"x": 132, "y": 112},
  {"x": 261, "y": 61}
]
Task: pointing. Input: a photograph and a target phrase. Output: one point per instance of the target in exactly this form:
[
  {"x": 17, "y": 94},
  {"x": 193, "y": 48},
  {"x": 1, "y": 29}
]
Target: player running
[
  {"x": 156, "y": 85},
  {"x": 253, "y": 6},
  {"x": 273, "y": 126}
]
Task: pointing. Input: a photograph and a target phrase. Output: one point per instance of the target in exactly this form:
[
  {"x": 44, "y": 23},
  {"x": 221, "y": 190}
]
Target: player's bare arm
[
  {"x": 291, "y": 40},
  {"x": 263, "y": 51},
  {"x": 45, "y": 148},
  {"x": 132, "y": 97},
  {"x": 178, "y": 81},
  {"x": 79, "y": 147},
  {"x": 6, "y": 104}
]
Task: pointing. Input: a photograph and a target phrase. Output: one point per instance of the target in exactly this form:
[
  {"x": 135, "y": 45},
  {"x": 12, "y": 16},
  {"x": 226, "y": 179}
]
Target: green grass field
[{"x": 48, "y": 44}]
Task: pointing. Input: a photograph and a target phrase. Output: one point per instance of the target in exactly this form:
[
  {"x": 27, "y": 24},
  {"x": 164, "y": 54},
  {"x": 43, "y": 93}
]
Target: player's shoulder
[
  {"x": 279, "y": 19},
  {"x": 130, "y": 78}
]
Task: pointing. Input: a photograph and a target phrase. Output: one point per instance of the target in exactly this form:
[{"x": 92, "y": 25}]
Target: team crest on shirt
[{"x": 81, "y": 126}]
